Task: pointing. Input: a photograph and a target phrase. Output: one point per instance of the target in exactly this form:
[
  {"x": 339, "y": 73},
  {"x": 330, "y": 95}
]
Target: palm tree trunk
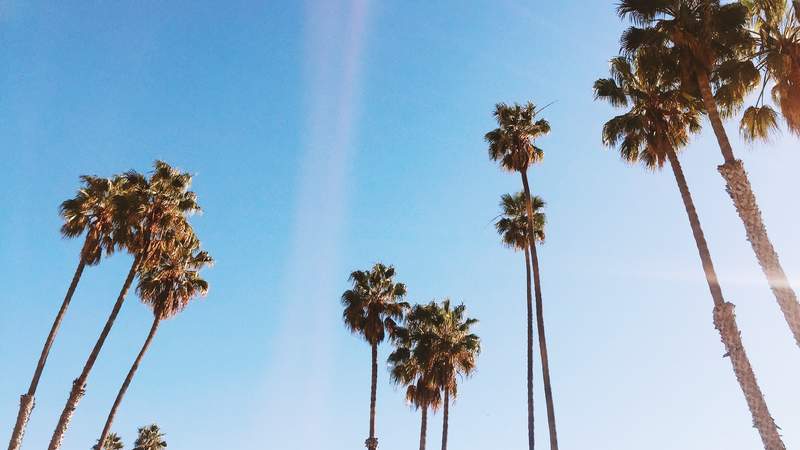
[
  {"x": 79, "y": 385},
  {"x": 445, "y": 418},
  {"x": 530, "y": 350},
  {"x": 725, "y": 322},
  {"x": 740, "y": 191},
  {"x": 372, "y": 441},
  {"x": 537, "y": 287},
  {"x": 27, "y": 401},
  {"x": 423, "y": 429},
  {"x": 124, "y": 388}
]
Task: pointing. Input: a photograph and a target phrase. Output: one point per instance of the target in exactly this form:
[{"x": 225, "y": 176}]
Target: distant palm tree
[
  {"x": 373, "y": 307},
  {"x": 90, "y": 212},
  {"x": 654, "y": 128},
  {"x": 412, "y": 361},
  {"x": 112, "y": 442},
  {"x": 167, "y": 287},
  {"x": 150, "y": 438},
  {"x": 513, "y": 229},
  {"x": 512, "y": 143},
  {"x": 148, "y": 215},
  {"x": 454, "y": 351},
  {"x": 714, "y": 49}
]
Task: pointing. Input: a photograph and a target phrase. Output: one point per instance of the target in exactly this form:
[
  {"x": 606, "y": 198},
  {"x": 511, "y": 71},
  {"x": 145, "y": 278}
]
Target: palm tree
[
  {"x": 90, "y": 212},
  {"x": 512, "y": 143},
  {"x": 112, "y": 442},
  {"x": 411, "y": 363},
  {"x": 513, "y": 229},
  {"x": 373, "y": 307},
  {"x": 148, "y": 215},
  {"x": 776, "y": 28},
  {"x": 714, "y": 47},
  {"x": 655, "y": 126},
  {"x": 150, "y": 438},
  {"x": 454, "y": 350},
  {"x": 167, "y": 288}
]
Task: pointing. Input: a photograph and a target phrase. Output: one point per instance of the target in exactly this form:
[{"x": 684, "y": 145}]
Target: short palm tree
[
  {"x": 713, "y": 48},
  {"x": 513, "y": 229},
  {"x": 89, "y": 213},
  {"x": 454, "y": 350},
  {"x": 112, "y": 442},
  {"x": 411, "y": 363},
  {"x": 373, "y": 307},
  {"x": 166, "y": 287},
  {"x": 150, "y": 438},
  {"x": 512, "y": 144},
  {"x": 653, "y": 129},
  {"x": 148, "y": 215}
]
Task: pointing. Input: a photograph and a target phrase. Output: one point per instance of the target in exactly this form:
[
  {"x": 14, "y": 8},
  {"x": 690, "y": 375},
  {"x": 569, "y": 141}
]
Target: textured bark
[
  {"x": 537, "y": 287},
  {"x": 529, "y": 302},
  {"x": 423, "y": 428},
  {"x": 79, "y": 385},
  {"x": 725, "y": 322},
  {"x": 445, "y": 418},
  {"x": 372, "y": 442},
  {"x": 127, "y": 383},
  {"x": 738, "y": 187},
  {"x": 28, "y": 401}
]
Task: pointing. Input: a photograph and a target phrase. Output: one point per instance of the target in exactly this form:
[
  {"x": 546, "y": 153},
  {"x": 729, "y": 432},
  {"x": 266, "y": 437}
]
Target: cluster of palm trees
[
  {"x": 148, "y": 218},
  {"x": 433, "y": 343},
  {"x": 149, "y": 438},
  {"x": 683, "y": 59}
]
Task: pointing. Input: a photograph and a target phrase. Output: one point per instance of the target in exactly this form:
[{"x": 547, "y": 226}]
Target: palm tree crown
[
  {"x": 150, "y": 438},
  {"x": 454, "y": 347},
  {"x": 375, "y": 303},
  {"x": 513, "y": 223},
  {"x": 92, "y": 211},
  {"x": 512, "y": 142},
  {"x": 113, "y": 442}
]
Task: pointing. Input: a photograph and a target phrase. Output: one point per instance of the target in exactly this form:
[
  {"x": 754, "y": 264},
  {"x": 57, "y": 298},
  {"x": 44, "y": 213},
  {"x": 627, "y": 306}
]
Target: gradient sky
[{"x": 328, "y": 135}]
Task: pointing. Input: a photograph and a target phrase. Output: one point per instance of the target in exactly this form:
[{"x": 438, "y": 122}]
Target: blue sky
[{"x": 326, "y": 136}]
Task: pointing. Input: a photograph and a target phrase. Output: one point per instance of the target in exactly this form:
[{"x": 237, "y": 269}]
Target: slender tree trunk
[
  {"x": 740, "y": 191},
  {"x": 725, "y": 322},
  {"x": 423, "y": 429},
  {"x": 372, "y": 441},
  {"x": 27, "y": 400},
  {"x": 124, "y": 388},
  {"x": 79, "y": 385},
  {"x": 530, "y": 350},
  {"x": 537, "y": 287},
  {"x": 445, "y": 418}
]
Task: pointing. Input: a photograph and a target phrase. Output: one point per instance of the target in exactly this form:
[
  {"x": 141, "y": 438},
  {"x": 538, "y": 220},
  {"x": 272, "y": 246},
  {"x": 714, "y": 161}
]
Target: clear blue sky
[{"x": 326, "y": 136}]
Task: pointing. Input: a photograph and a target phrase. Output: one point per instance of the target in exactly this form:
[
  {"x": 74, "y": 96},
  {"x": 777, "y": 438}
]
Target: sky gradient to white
[{"x": 327, "y": 135}]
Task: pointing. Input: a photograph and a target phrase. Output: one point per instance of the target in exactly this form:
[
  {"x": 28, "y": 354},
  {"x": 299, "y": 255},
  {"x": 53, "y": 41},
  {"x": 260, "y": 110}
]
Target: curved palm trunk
[
  {"x": 740, "y": 191},
  {"x": 26, "y": 401},
  {"x": 79, "y": 385},
  {"x": 530, "y": 350},
  {"x": 537, "y": 287},
  {"x": 423, "y": 429},
  {"x": 128, "y": 378},
  {"x": 445, "y": 418},
  {"x": 372, "y": 441},
  {"x": 725, "y": 322}
]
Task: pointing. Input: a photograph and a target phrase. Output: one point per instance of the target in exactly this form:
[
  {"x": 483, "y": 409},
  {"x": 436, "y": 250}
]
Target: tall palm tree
[
  {"x": 714, "y": 49},
  {"x": 166, "y": 287},
  {"x": 776, "y": 28},
  {"x": 513, "y": 229},
  {"x": 149, "y": 213},
  {"x": 150, "y": 438},
  {"x": 373, "y": 307},
  {"x": 89, "y": 213},
  {"x": 411, "y": 363},
  {"x": 454, "y": 350},
  {"x": 512, "y": 144},
  {"x": 112, "y": 442},
  {"x": 653, "y": 129}
]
